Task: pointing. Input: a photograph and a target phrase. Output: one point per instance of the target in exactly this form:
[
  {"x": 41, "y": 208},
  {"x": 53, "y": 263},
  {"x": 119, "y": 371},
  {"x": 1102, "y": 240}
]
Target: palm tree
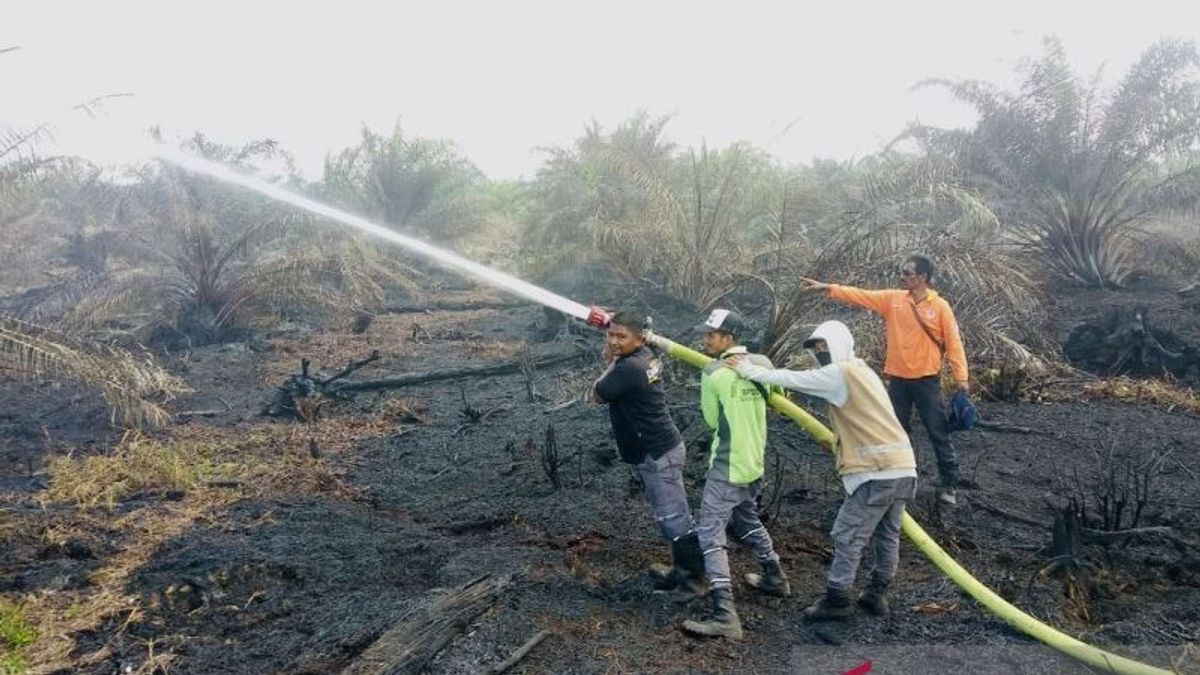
[
  {"x": 632, "y": 200},
  {"x": 134, "y": 388},
  {"x": 689, "y": 228},
  {"x": 577, "y": 190},
  {"x": 894, "y": 205},
  {"x": 412, "y": 184},
  {"x": 211, "y": 260},
  {"x": 1074, "y": 169}
]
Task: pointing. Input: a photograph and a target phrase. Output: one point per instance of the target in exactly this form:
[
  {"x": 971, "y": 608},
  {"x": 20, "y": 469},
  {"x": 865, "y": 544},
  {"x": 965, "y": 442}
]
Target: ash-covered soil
[{"x": 305, "y": 582}]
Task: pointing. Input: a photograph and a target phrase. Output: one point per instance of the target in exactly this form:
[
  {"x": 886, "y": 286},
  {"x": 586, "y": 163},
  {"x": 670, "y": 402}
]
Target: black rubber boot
[
  {"x": 687, "y": 567},
  {"x": 873, "y": 599},
  {"x": 772, "y": 581},
  {"x": 833, "y": 606},
  {"x": 723, "y": 621}
]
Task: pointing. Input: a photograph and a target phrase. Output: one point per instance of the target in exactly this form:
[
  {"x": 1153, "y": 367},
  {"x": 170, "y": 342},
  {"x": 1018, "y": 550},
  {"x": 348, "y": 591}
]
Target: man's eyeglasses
[{"x": 908, "y": 273}]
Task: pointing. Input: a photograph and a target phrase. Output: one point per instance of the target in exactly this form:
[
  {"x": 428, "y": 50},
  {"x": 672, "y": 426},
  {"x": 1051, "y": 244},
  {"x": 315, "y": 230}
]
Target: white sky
[{"x": 502, "y": 78}]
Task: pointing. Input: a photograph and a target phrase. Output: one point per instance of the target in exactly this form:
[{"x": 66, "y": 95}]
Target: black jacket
[{"x": 641, "y": 421}]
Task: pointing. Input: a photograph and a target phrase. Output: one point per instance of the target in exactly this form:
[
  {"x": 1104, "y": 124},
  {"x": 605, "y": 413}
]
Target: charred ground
[{"x": 334, "y": 529}]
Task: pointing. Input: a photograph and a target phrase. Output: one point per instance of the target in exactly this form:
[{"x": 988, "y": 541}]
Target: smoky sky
[{"x": 502, "y": 80}]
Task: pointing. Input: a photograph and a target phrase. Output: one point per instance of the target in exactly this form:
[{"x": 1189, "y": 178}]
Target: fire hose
[{"x": 1048, "y": 635}]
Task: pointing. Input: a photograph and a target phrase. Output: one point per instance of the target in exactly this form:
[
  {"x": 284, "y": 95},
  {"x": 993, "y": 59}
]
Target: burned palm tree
[
  {"x": 686, "y": 232},
  {"x": 208, "y": 262},
  {"x": 1126, "y": 342},
  {"x": 578, "y": 191},
  {"x": 134, "y": 388}
]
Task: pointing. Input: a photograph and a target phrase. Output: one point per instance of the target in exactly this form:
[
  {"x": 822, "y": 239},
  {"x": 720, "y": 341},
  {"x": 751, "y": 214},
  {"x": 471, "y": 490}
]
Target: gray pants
[
  {"x": 725, "y": 504},
  {"x": 662, "y": 479},
  {"x": 876, "y": 507}
]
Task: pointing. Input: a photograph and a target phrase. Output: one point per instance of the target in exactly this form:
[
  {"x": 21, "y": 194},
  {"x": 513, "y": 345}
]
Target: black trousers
[{"x": 925, "y": 393}]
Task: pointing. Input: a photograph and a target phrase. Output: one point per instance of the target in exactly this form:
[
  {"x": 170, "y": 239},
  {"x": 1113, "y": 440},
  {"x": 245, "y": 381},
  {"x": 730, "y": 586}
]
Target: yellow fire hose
[{"x": 1093, "y": 656}]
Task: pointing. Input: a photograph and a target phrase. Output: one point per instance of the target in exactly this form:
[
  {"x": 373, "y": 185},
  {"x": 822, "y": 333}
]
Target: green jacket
[{"x": 736, "y": 410}]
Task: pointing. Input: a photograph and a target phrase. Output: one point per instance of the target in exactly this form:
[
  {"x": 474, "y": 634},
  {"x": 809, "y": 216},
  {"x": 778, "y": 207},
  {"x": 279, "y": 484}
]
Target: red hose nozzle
[{"x": 599, "y": 318}]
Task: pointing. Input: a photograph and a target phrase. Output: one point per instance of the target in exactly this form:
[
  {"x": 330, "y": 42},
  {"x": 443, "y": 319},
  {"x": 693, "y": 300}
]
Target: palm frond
[{"x": 135, "y": 389}]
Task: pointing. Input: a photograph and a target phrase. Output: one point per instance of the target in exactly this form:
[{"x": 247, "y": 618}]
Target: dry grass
[
  {"x": 406, "y": 410},
  {"x": 403, "y": 340},
  {"x": 1129, "y": 390},
  {"x": 207, "y": 469},
  {"x": 492, "y": 350},
  {"x": 266, "y": 458},
  {"x": 329, "y": 351},
  {"x": 135, "y": 466}
]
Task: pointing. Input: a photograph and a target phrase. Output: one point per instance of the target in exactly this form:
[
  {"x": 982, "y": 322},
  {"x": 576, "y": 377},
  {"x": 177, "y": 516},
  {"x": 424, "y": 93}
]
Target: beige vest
[{"x": 869, "y": 437}]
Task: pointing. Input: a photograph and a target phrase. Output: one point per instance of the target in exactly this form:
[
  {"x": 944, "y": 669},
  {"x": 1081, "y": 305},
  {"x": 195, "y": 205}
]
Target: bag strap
[
  {"x": 761, "y": 389},
  {"x": 917, "y": 316}
]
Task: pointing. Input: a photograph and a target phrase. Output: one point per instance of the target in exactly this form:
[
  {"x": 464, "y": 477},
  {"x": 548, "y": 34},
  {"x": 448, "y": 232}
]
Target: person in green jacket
[{"x": 735, "y": 409}]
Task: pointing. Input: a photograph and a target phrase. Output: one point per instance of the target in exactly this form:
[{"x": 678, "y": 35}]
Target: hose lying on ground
[{"x": 1093, "y": 656}]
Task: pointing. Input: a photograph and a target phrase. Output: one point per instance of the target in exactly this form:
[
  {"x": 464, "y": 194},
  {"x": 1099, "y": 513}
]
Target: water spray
[{"x": 592, "y": 315}]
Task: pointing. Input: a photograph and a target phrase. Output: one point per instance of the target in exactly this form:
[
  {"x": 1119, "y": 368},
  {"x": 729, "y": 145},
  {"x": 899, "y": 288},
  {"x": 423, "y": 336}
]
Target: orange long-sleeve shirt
[{"x": 910, "y": 351}]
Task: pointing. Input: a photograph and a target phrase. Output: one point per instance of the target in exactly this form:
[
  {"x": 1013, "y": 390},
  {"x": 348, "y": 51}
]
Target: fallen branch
[
  {"x": 520, "y": 653},
  {"x": 978, "y": 501},
  {"x": 410, "y": 645},
  {"x": 1117, "y": 534},
  {"x": 1092, "y": 534},
  {"x": 562, "y": 406},
  {"x": 351, "y": 367},
  {"x": 452, "y": 373},
  {"x": 1001, "y": 427},
  {"x": 301, "y": 395},
  {"x": 199, "y": 413}
]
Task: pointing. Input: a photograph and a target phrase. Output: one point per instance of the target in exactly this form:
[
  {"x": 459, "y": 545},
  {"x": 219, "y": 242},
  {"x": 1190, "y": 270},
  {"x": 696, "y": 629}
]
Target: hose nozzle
[{"x": 599, "y": 318}]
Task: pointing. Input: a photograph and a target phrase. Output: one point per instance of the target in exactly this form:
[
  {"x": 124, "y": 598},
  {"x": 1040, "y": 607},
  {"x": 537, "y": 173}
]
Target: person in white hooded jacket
[{"x": 874, "y": 459}]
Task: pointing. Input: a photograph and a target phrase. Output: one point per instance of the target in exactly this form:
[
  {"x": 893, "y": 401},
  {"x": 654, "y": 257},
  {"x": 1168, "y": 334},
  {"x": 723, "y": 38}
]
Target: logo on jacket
[{"x": 653, "y": 371}]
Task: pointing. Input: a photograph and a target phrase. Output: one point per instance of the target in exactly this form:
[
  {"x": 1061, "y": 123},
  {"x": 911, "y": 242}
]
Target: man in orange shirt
[{"x": 921, "y": 329}]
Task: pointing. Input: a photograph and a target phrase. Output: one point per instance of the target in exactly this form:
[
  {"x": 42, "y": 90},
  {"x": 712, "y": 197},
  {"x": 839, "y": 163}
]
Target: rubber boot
[
  {"x": 772, "y": 581},
  {"x": 873, "y": 599},
  {"x": 723, "y": 621},
  {"x": 833, "y": 606},
  {"x": 687, "y": 567}
]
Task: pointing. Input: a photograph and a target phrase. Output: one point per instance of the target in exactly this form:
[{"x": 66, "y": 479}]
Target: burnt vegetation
[
  {"x": 1127, "y": 342},
  {"x": 225, "y": 417}
]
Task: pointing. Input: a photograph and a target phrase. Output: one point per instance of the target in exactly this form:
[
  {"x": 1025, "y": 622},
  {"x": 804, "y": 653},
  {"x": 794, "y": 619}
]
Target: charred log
[
  {"x": 410, "y": 645},
  {"x": 296, "y": 397}
]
